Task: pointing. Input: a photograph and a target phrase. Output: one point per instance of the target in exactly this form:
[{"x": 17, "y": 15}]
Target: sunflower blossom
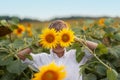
[
  {"x": 66, "y": 37},
  {"x": 48, "y": 38},
  {"x": 19, "y": 31},
  {"x": 50, "y": 72},
  {"x": 101, "y": 22},
  {"x": 84, "y": 28},
  {"x": 29, "y": 31}
]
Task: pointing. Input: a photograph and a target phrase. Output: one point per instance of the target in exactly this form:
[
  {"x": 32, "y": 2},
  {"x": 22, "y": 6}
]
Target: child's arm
[
  {"x": 21, "y": 54},
  {"x": 91, "y": 45}
]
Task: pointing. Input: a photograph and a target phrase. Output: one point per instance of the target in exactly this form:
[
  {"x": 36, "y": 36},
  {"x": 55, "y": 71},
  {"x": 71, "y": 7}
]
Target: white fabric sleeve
[
  {"x": 34, "y": 64},
  {"x": 86, "y": 57}
]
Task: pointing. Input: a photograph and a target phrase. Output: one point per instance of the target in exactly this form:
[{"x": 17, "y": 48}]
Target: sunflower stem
[
  {"x": 10, "y": 38},
  {"x": 25, "y": 75},
  {"x": 93, "y": 53}
]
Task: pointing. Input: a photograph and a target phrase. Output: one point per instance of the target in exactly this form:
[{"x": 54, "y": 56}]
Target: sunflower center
[
  {"x": 50, "y": 75},
  {"x": 19, "y": 30},
  {"x": 65, "y": 38},
  {"x": 50, "y": 38}
]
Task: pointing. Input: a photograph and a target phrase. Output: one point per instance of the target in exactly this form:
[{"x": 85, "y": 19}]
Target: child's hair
[{"x": 58, "y": 25}]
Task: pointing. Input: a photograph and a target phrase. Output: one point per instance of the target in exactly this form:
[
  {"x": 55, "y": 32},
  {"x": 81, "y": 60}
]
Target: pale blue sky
[{"x": 47, "y": 9}]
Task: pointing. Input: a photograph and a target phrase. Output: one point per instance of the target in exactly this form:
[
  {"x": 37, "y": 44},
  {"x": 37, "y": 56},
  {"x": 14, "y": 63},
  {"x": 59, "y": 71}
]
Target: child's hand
[{"x": 22, "y": 54}]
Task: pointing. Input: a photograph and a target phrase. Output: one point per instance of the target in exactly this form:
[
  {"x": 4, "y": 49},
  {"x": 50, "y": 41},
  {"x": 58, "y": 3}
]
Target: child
[{"x": 59, "y": 55}]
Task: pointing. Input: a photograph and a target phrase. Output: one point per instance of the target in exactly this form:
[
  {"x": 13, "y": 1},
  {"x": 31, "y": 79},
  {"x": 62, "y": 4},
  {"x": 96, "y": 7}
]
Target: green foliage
[
  {"x": 16, "y": 67},
  {"x": 101, "y": 49},
  {"x": 79, "y": 51},
  {"x": 12, "y": 24},
  {"x": 108, "y": 50},
  {"x": 112, "y": 74},
  {"x": 29, "y": 57},
  {"x": 110, "y": 30},
  {"x": 117, "y": 36},
  {"x": 90, "y": 77},
  {"x": 6, "y": 27},
  {"x": 4, "y": 60}
]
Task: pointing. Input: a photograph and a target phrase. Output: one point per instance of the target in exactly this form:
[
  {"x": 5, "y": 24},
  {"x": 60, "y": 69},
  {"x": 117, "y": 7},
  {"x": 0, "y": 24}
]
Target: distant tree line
[
  {"x": 57, "y": 18},
  {"x": 79, "y": 17},
  {"x": 21, "y": 20}
]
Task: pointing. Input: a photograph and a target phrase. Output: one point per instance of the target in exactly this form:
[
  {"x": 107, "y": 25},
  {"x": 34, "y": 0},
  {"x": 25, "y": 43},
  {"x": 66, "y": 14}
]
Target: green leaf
[
  {"x": 28, "y": 56},
  {"x": 112, "y": 74},
  {"x": 108, "y": 35},
  {"x": 115, "y": 51},
  {"x": 76, "y": 46},
  {"x": 109, "y": 30},
  {"x": 2, "y": 72},
  {"x": 18, "y": 43},
  {"x": 13, "y": 27},
  {"x": 82, "y": 69},
  {"x": 112, "y": 51},
  {"x": 4, "y": 43},
  {"x": 117, "y": 36},
  {"x": 108, "y": 21},
  {"x": 97, "y": 35},
  {"x": 90, "y": 76},
  {"x": 79, "y": 56},
  {"x": 119, "y": 76},
  {"x": 4, "y": 22},
  {"x": 8, "y": 76},
  {"x": 16, "y": 67},
  {"x": 24, "y": 78},
  {"x": 15, "y": 20},
  {"x": 100, "y": 70},
  {"x": 101, "y": 49},
  {"x": 104, "y": 79},
  {"x": 3, "y": 60},
  {"x": 79, "y": 51}
]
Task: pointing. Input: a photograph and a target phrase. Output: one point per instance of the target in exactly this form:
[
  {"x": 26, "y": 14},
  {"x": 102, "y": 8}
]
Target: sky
[{"x": 48, "y": 9}]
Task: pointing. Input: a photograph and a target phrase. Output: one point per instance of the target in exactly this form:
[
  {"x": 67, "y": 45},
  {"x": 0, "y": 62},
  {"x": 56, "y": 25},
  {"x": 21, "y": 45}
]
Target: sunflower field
[{"x": 105, "y": 64}]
